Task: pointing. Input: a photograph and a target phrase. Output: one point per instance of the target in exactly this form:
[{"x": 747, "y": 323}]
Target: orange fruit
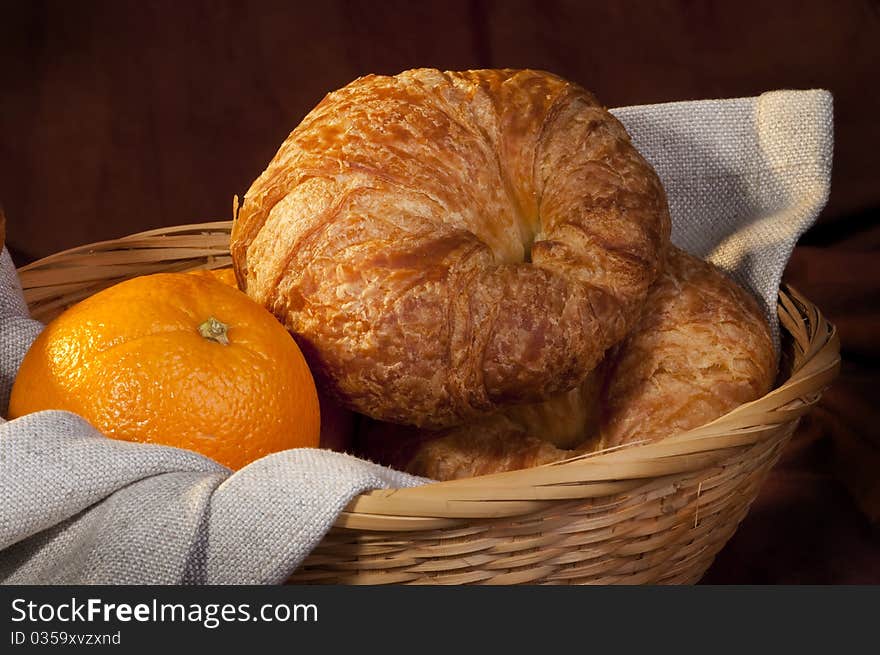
[
  {"x": 224, "y": 275},
  {"x": 175, "y": 359},
  {"x": 337, "y": 422}
]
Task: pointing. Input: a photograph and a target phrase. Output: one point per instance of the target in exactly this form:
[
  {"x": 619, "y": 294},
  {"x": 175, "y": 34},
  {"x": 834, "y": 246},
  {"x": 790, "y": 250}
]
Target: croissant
[
  {"x": 701, "y": 348},
  {"x": 443, "y": 245}
]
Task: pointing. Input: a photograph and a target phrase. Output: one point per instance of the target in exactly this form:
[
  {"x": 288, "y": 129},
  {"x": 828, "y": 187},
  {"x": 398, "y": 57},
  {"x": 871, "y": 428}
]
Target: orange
[
  {"x": 224, "y": 275},
  {"x": 337, "y": 422},
  {"x": 175, "y": 359}
]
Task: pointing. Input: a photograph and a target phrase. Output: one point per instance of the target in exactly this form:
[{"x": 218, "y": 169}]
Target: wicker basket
[{"x": 646, "y": 513}]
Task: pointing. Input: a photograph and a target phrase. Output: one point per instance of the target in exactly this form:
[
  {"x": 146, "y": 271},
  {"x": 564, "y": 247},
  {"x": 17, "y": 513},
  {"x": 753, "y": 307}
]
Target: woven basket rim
[{"x": 63, "y": 278}]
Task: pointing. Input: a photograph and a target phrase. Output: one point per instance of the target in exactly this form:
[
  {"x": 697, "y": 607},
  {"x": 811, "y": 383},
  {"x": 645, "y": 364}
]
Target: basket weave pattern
[{"x": 647, "y": 513}]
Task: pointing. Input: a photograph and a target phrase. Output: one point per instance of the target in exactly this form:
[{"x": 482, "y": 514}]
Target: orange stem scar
[{"x": 215, "y": 330}]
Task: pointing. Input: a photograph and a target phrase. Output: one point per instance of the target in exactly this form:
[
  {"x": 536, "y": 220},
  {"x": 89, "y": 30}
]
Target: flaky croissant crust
[
  {"x": 701, "y": 348},
  {"x": 442, "y": 244}
]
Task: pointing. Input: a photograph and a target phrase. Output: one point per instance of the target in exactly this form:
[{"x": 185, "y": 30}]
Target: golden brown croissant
[
  {"x": 701, "y": 348},
  {"x": 445, "y": 244}
]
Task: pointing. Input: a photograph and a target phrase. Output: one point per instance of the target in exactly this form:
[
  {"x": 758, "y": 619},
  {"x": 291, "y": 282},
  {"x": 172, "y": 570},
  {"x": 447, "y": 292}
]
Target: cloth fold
[{"x": 744, "y": 177}]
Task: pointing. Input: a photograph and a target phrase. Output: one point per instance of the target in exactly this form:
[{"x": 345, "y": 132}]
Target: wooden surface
[
  {"x": 122, "y": 116},
  {"x": 118, "y": 116}
]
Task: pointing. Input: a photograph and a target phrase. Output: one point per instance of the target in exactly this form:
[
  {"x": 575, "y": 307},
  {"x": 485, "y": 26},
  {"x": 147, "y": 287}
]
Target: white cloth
[{"x": 745, "y": 178}]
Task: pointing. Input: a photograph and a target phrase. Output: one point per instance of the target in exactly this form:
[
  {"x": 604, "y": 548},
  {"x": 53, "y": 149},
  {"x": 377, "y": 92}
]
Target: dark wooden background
[{"x": 122, "y": 116}]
